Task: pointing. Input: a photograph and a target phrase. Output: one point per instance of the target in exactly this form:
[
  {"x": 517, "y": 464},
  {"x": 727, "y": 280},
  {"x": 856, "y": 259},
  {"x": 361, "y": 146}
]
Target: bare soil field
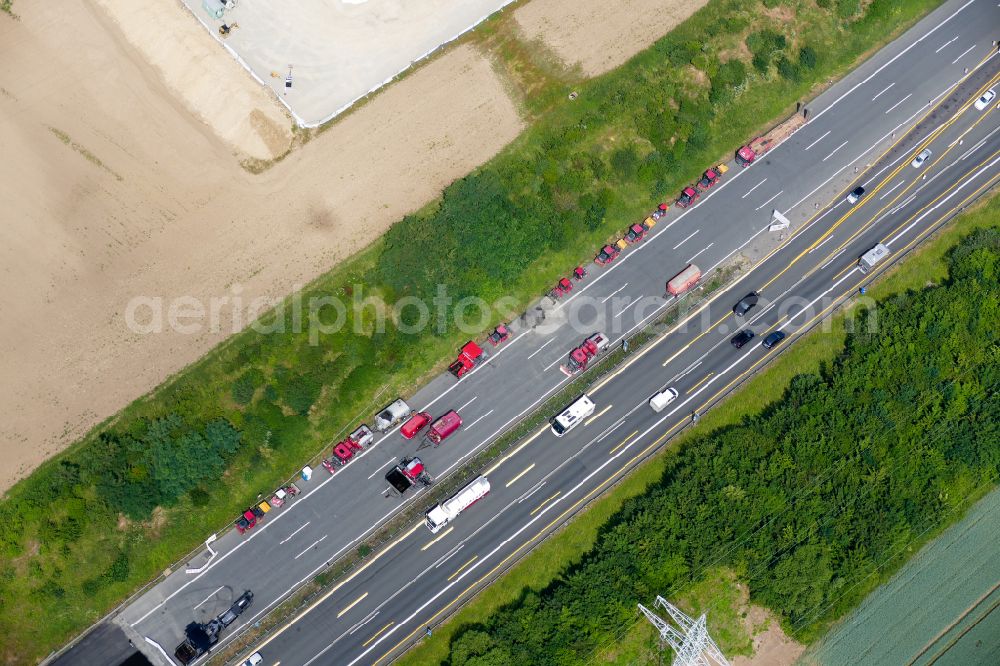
[
  {"x": 123, "y": 127},
  {"x": 114, "y": 190},
  {"x": 598, "y": 35}
]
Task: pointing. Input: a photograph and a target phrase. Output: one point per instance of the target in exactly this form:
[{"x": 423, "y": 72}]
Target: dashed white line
[
  {"x": 770, "y": 200},
  {"x": 625, "y": 309},
  {"x": 542, "y": 347},
  {"x": 209, "y": 597},
  {"x": 883, "y": 90},
  {"x": 833, "y": 152},
  {"x": 894, "y": 187},
  {"x": 469, "y": 427},
  {"x": 941, "y": 48},
  {"x": 964, "y": 53},
  {"x": 468, "y": 403},
  {"x": 889, "y": 110},
  {"x": 614, "y": 292},
  {"x": 691, "y": 260},
  {"x": 298, "y": 530},
  {"x": 311, "y": 546},
  {"x": 833, "y": 258},
  {"x": 690, "y": 236},
  {"x": 753, "y": 188},
  {"x": 389, "y": 462},
  {"x": 817, "y": 140}
]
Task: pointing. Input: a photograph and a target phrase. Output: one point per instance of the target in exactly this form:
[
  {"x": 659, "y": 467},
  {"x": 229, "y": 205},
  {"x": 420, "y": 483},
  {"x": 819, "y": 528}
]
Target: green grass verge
[
  {"x": 81, "y": 532},
  {"x": 561, "y": 551}
]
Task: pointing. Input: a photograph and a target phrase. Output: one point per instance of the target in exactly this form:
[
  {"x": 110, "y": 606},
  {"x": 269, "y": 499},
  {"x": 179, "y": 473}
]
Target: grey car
[{"x": 747, "y": 302}]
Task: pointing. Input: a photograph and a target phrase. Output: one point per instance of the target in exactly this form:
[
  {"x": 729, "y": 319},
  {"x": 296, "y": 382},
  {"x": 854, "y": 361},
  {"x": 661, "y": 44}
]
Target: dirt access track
[{"x": 121, "y": 133}]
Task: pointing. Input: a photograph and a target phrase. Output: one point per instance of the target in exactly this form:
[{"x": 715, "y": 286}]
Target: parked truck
[
  {"x": 441, "y": 514},
  {"x": 580, "y": 357},
  {"x": 199, "y": 638},
  {"x": 469, "y": 356},
  {"x": 746, "y": 155},
  {"x": 443, "y": 428},
  {"x": 872, "y": 257},
  {"x": 406, "y": 474},
  {"x": 684, "y": 280}
]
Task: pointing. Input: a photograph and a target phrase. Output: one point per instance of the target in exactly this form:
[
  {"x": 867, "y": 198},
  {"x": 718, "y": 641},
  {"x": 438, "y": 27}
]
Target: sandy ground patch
[
  {"x": 203, "y": 75},
  {"x": 118, "y": 191},
  {"x": 600, "y": 35},
  {"x": 771, "y": 646}
]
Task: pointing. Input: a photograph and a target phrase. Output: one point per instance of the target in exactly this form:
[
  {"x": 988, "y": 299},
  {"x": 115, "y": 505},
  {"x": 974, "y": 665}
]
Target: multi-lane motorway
[{"x": 863, "y": 130}]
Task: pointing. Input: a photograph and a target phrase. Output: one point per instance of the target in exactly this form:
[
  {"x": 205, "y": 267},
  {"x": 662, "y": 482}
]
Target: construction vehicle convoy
[
  {"x": 469, "y": 356},
  {"x": 444, "y": 427},
  {"x": 407, "y": 473},
  {"x": 688, "y": 197},
  {"x": 199, "y": 638},
  {"x": 711, "y": 177},
  {"x": 580, "y": 357},
  {"x": 441, "y": 514}
]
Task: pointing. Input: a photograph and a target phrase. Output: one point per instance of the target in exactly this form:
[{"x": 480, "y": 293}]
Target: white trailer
[
  {"x": 441, "y": 514},
  {"x": 872, "y": 257}
]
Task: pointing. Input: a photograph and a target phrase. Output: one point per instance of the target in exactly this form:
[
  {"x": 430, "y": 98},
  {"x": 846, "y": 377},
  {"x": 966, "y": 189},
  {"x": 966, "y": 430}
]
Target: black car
[
  {"x": 745, "y": 304},
  {"x": 742, "y": 338},
  {"x": 773, "y": 339}
]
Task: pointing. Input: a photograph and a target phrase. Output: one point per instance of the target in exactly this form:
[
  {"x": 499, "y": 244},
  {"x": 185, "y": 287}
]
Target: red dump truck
[
  {"x": 580, "y": 357},
  {"x": 684, "y": 280},
  {"x": 746, "y": 155}
]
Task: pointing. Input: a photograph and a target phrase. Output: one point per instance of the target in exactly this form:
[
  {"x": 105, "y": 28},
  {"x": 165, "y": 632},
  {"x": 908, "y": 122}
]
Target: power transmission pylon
[{"x": 690, "y": 641}]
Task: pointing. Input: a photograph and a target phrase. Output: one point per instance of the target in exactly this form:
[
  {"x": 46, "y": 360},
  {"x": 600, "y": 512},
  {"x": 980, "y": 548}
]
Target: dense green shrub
[
  {"x": 807, "y": 57},
  {"x": 788, "y": 69},
  {"x": 246, "y": 385},
  {"x": 809, "y": 498}
]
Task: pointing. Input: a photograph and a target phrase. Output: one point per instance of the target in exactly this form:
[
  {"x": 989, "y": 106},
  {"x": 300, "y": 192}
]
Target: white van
[
  {"x": 570, "y": 417},
  {"x": 662, "y": 399}
]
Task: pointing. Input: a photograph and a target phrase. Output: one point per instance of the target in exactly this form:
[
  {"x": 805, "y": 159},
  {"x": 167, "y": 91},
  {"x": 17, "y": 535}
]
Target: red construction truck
[
  {"x": 580, "y": 357},
  {"x": 684, "y": 280},
  {"x": 407, "y": 473},
  {"x": 746, "y": 155},
  {"x": 444, "y": 427},
  {"x": 688, "y": 197},
  {"x": 469, "y": 356}
]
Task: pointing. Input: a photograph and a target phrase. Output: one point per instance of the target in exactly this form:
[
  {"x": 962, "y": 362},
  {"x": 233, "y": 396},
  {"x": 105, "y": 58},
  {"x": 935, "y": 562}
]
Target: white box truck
[
  {"x": 872, "y": 257},
  {"x": 441, "y": 514}
]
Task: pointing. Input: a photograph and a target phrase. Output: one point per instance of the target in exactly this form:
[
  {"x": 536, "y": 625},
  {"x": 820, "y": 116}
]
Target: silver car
[{"x": 919, "y": 160}]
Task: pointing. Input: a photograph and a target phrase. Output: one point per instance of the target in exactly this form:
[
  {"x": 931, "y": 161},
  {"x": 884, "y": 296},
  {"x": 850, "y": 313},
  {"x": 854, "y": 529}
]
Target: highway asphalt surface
[
  {"x": 849, "y": 126},
  {"x": 420, "y": 578}
]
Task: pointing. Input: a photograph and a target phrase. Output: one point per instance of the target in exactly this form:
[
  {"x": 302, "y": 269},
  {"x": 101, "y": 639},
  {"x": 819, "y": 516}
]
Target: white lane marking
[
  {"x": 894, "y": 58},
  {"x": 614, "y": 292},
  {"x": 447, "y": 556},
  {"x": 542, "y": 347},
  {"x": 770, "y": 200},
  {"x": 314, "y": 543},
  {"x": 690, "y": 236},
  {"x": 368, "y": 618},
  {"x": 891, "y": 108},
  {"x": 834, "y": 151},
  {"x": 387, "y": 463},
  {"x": 625, "y": 309},
  {"x": 846, "y": 275},
  {"x": 283, "y": 541},
  {"x": 474, "y": 398},
  {"x": 943, "y": 201},
  {"x": 822, "y": 244},
  {"x": 753, "y": 188},
  {"x": 819, "y": 139},
  {"x": 964, "y": 53},
  {"x": 941, "y": 48},
  {"x": 901, "y": 205},
  {"x": 686, "y": 371},
  {"x": 695, "y": 256},
  {"x": 883, "y": 90},
  {"x": 893, "y": 189},
  {"x": 549, "y": 366},
  {"x": 833, "y": 258},
  {"x": 469, "y": 427},
  {"x": 532, "y": 491},
  {"x": 209, "y": 597}
]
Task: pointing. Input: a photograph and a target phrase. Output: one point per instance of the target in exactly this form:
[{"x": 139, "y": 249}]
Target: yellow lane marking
[
  {"x": 539, "y": 507},
  {"x": 527, "y": 469},
  {"x": 437, "y": 538},
  {"x": 597, "y": 416},
  {"x": 512, "y": 453},
  {"x": 339, "y": 585},
  {"x": 462, "y": 568},
  {"x": 703, "y": 380},
  {"x": 379, "y": 633},
  {"x": 611, "y": 452},
  {"x": 352, "y": 604}
]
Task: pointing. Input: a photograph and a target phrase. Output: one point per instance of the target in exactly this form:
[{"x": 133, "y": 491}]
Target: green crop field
[{"x": 107, "y": 515}]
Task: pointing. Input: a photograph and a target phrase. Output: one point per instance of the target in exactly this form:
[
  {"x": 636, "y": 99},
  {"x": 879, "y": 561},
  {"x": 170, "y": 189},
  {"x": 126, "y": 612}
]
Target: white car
[
  {"x": 919, "y": 160},
  {"x": 985, "y": 100},
  {"x": 855, "y": 195},
  {"x": 254, "y": 659}
]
